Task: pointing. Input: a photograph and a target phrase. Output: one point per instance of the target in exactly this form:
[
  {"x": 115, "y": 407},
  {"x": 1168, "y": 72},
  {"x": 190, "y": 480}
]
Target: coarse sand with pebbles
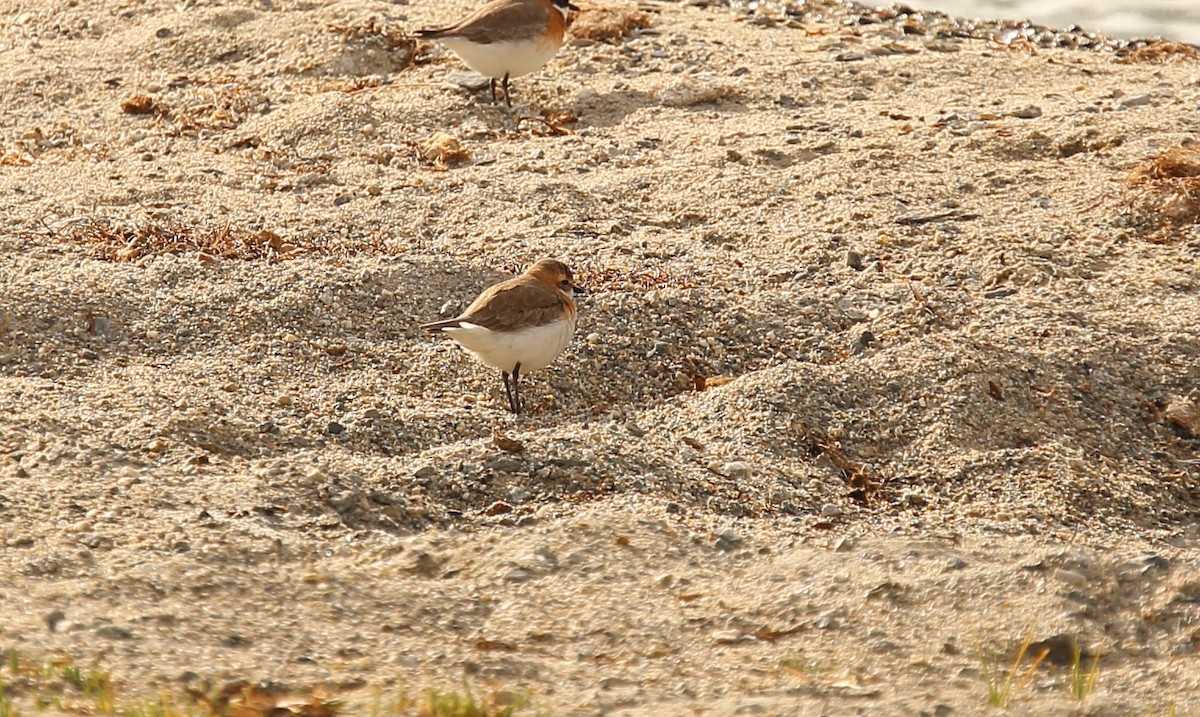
[{"x": 889, "y": 361}]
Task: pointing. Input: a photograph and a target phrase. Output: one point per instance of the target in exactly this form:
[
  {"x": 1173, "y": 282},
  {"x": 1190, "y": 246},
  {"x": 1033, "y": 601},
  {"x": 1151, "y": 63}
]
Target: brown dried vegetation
[
  {"x": 1160, "y": 52},
  {"x": 442, "y": 151},
  {"x": 121, "y": 240},
  {"x": 1163, "y": 192},
  {"x": 142, "y": 105},
  {"x": 610, "y": 23}
]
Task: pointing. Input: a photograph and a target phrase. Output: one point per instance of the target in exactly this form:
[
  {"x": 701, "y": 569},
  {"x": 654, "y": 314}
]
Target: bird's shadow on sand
[
  {"x": 610, "y": 109},
  {"x": 602, "y": 110}
]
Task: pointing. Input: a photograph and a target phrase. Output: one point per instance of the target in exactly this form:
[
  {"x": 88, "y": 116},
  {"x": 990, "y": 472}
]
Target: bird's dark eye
[{"x": 565, "y": 283}]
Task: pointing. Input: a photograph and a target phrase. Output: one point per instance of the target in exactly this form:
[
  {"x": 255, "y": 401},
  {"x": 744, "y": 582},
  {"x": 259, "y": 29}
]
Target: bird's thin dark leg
[
  {"x": 492, "y": 84},
  {"x": 508, "y": 391},
  {"x": 517, "y": 388},
  {"x": 507, "y": 91}
]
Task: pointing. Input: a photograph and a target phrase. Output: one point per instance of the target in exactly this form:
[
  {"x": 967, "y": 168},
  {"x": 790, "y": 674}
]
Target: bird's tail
[
  {"x": 430, "y": 34},
  {"x": 441, "y": 325}
]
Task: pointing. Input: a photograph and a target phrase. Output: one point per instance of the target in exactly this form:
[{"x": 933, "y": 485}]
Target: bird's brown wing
[
  {"x": 499, "y": 21},
  {"x": 516, "y": 304}
]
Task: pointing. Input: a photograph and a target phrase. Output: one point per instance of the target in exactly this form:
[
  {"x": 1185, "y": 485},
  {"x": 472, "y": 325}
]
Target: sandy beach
[{"x": 888, "y": 361}]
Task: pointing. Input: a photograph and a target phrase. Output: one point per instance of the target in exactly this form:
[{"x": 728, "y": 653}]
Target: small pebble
[
  {"x": 1135, "y": 101},
  {"x": 1028, "y": 112},
  {"x": 736, "y": 469},
  {"x": 854, "y": 260},
  {"x": 727, "y": 540},
  {"x": 114, "y": 632}
]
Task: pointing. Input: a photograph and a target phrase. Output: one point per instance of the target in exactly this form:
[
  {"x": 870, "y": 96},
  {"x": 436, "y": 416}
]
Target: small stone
[
  {"x": 93, "y": 541},
  {"x": 1027, "y": 112},
  {"x": 727, "y": 540},
  {"x": 505, "y": 465},
  {"x": 425, "y": 472},
  {"x": 1000, "y": 293},
  {"x": 54, "y": 619},
  {"x": 162, "y": 33},
  {"x": 1183, "y": 414},
  {"x": 89, "y": 354},
  {"x": 1135, "y": 101},
  {"x": 830, "y": 510},
  {"x": 472, "y": 81},
  {"x": 101, "y": 327},
  {"x": 727, "y": 637},
  {"x": 1154, "y": 562},
  {"x": 736, "y": 469},
  {"x": 1072, "y": 578},
  {"x": 334, "y": 428},
  {"x": 517, "y": 495},
  {"x": 850, "y": 57},
  {"x": 518, "y": 576},
  {"x": 341, "y": 199},
  {"x": 956, "y": 563},
  {"x": 498, "y": 508},
  {"x": 283, "y": 400},
  {"x": 942, "y": 46},
  {"x": 854, "y": 260},
  {"x": 864, "y": 340},
  {"x": 425, "y": 565},
  {"x": 114, "y": 632}
]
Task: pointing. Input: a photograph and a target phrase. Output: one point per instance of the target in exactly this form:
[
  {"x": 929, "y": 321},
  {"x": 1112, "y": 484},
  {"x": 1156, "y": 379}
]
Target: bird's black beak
[
  {"x": 578, "y": 290},
  {"x": 573, "y": 7}
]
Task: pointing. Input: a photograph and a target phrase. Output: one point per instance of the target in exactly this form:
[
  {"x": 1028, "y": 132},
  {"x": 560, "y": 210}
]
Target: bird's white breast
[
  {"x": 498, "y": 59},
  {"x": 534, "y": 348}
]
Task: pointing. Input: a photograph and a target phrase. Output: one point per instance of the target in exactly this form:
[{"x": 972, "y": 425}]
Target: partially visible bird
[
  {"x": 507, "y": 38},
  {"x": 519, "y": 325}
]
